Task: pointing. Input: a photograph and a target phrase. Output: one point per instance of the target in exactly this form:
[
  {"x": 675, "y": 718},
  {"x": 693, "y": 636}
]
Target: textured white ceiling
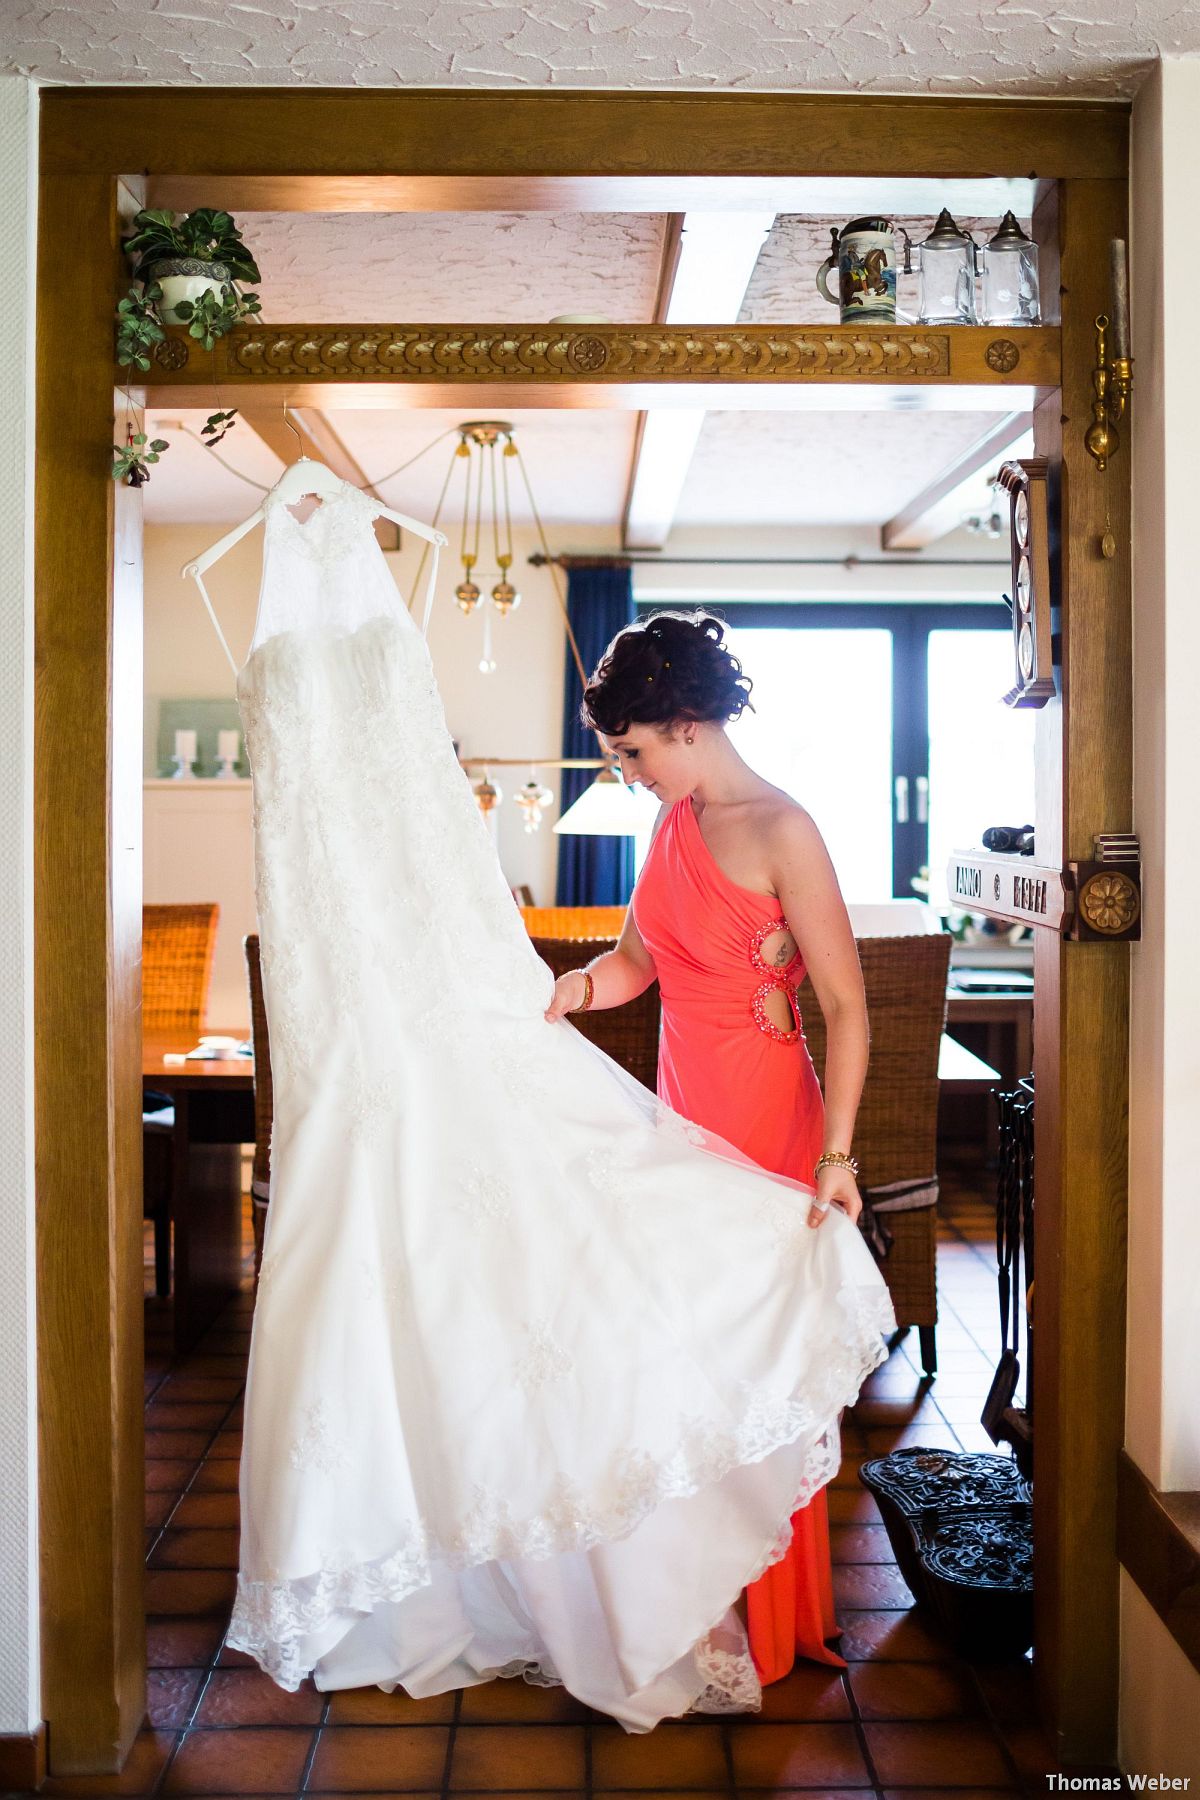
[
  {"x": 578, "y": 464},
  {"x": 452, "y": 268},
  {"x": 1070, "y": 47},
  {"x": 819, "y": 468}
]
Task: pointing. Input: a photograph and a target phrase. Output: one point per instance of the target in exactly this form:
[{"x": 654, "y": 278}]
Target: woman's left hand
[{"x": 835, "y": 1187}]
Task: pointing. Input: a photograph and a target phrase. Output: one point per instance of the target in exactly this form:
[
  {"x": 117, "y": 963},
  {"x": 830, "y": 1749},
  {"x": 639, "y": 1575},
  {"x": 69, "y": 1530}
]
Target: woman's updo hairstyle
[{"x": 672, "y": 665}]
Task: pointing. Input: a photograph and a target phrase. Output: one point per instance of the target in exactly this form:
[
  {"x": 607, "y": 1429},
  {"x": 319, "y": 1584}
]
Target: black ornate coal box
[{"x": 961, "y": 1529}]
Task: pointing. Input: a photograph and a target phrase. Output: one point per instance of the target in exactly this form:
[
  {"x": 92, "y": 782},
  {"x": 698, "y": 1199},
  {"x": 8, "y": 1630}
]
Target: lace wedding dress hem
[{"x": 274, "y": 1619}]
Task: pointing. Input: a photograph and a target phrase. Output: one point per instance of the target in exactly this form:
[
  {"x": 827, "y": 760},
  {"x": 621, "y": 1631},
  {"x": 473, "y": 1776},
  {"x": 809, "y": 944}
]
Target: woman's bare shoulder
[{"x": 785, "y": 823}]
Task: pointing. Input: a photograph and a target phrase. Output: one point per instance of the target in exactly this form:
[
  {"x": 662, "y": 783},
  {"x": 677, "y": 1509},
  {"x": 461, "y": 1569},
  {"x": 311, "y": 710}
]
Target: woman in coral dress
[{"x": 736, "y": 899}]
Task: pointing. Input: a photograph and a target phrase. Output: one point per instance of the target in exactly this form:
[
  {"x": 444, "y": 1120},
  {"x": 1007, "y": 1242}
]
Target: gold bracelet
[
  {"x": 836, "y": 1159},
  {"x": 589, "y": 989}
]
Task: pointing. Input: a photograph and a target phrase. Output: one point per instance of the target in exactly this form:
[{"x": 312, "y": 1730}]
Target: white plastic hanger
[{"x": 306, "y": 477}]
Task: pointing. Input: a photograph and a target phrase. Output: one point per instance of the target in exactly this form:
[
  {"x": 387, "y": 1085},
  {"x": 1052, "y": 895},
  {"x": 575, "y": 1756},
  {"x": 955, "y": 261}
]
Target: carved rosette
[
  {"x": 1002, "y": 356},
  {"x": 171, "y": 353},
  {"x": 1109, "y": 903},
  {"x": 619, "y": 354}
]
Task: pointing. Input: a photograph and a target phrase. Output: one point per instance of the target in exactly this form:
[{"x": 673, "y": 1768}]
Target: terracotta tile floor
[{"x": 907, "y": 1721}]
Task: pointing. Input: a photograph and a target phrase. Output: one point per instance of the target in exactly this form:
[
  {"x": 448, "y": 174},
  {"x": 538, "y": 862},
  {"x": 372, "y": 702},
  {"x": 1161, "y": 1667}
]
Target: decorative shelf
[{"x": 623, "y": 364}]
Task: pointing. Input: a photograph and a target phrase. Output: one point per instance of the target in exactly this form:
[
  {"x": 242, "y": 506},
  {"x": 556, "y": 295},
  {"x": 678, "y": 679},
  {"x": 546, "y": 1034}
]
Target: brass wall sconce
[{"x": 1112, "y": 376}]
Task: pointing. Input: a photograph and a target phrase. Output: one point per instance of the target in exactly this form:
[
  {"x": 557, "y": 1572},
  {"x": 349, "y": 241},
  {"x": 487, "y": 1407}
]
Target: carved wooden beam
[{"x": 630, "y": 358}]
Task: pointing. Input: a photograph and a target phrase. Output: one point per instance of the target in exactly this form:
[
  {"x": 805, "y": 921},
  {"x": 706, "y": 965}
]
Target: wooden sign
[
  {"x": 1009, "y": 887},
  {"x": 1087, "y": 901}
]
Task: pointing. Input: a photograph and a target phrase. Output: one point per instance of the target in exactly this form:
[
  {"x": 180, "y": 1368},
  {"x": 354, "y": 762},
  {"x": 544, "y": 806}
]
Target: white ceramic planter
[{"x": 199, "y": 278}]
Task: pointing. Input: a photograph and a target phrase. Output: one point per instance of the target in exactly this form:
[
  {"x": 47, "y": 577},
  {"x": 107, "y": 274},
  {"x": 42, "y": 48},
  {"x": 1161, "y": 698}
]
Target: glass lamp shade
[{"x": 609, "y": 809}]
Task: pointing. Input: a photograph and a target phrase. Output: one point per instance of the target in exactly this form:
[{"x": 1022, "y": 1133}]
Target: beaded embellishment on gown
[{"x": 539, "y": 1370}]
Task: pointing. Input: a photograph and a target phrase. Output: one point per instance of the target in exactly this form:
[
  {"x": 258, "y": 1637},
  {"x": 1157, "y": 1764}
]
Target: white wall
[
  {"x": 20, "y": 1708},
  {"x": 516, "y": 711},
  {"x": 1160, "y": 1691}
]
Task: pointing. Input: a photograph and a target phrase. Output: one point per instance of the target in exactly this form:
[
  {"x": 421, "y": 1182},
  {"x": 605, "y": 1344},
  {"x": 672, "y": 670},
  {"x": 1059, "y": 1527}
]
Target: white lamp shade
[{"x": 609, "y": 809}]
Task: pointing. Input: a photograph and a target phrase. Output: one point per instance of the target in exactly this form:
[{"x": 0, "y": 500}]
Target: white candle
[
  {"x": 185, "y": 746},
  {"x": 228, "y": 744},
  {"x": 1119, "y": 278}
]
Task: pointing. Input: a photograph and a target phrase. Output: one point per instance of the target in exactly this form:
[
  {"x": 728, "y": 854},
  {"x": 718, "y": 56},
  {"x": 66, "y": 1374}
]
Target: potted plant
[{"x": 194, "y": 260}]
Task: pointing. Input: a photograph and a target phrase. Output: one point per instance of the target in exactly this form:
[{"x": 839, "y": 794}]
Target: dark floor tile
[
  {"x": 870, "y": 1585},
  {"x": 181, "y": 1386},
  {"x": 157, "y": 1506},
  {"x": 491, "y": 1757},
  {"x": 169, "y": 1475},
  {"x": 235, "y": 1659},
  {"x": 239, "y": 1762},
  {"x": 859, "y": 1544},
  {"x": 964, "y": 1754},
  {"x": 882, "y": 1439},
  {"x": 791, "y": 1756},
  {"x": 713, "y": 1793},
  {"x": 203, "y": 1549},
  {"x": 1009, "y": 1692},
  {"x": 808, "y": 1693},
  {"x": 171, "y": 1694},
  {"x": 187, "y": 1415},
  {"x": 913, "y": 1690},
  {"x": 142, "y": 1769},
  {"x": 371, "y": 1706},
  {"x": 870, "y": 1636},
  {"x": 1032, "y": 1752},
  {"x": 189, "y": 1591},
  {"x": 163, "y": 1445},
  {"x": 361, "y": 1759},
  {"x": 501, "y": 1701},
  {"x": 204, "y": 1511},
  {"x": 674, "y": 1754},
  {"x": 962, "y": 1793},
  {"x": 851, "y": 1506},
  {"x": 182, "y": 1643},
  {"x": 220, "y": 1475},
  {"x": 248, "y": 1697}
]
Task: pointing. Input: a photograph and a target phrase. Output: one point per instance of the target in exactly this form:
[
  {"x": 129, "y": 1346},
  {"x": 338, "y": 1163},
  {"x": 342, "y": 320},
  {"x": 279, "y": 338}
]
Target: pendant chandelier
[{"x": 486, "y": 452}]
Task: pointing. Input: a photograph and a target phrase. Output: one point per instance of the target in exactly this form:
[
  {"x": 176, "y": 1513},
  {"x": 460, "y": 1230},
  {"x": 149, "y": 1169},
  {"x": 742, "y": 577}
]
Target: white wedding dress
[{"x": 539, "y": 1371}]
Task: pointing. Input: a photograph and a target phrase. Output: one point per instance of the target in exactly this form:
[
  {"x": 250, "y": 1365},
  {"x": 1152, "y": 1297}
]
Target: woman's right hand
[{"x": 568, "y": 996}]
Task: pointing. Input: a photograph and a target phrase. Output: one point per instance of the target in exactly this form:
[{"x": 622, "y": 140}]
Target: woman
[{"x": 736, "y": 900}]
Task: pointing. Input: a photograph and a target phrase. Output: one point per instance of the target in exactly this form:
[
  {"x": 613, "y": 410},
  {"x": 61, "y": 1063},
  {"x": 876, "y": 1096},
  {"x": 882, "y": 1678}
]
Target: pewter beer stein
[{"x": 864, "y": 255}]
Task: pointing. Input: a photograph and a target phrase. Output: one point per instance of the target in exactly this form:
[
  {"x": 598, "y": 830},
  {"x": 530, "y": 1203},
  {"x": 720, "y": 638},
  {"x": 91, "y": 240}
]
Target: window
[{"x": 887, "y": 723}]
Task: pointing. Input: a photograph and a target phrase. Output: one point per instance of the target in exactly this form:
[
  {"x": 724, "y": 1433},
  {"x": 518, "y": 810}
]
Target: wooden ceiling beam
[{"x": 939, "y": 507}]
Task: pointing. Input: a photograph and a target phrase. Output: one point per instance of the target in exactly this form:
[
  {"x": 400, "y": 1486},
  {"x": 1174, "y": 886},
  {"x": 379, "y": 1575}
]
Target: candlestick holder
[
  {"x": 181, "y": 769},
  {"x": 1112, "y": 379}
]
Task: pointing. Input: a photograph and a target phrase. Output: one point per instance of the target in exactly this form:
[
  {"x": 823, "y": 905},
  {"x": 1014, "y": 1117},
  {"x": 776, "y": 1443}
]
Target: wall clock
[{"x": 1029, "y": 546}]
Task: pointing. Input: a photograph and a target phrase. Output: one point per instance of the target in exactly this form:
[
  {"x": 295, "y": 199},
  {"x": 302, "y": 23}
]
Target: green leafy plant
[
  {"x": 138, "y": 326},
  {"x": 209, "y": 316},
  {"x": 206, "y": 233},
  {"x": 216, "y": 425},
  {"x": 131, "y": 460}
]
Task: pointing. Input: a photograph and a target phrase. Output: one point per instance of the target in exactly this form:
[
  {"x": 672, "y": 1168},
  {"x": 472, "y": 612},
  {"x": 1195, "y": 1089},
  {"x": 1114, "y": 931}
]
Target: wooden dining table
[{"x": 214, "y": 1116}]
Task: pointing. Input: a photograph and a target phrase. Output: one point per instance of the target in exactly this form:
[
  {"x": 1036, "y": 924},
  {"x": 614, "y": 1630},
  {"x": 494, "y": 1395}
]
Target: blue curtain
[{"x": 592, "y": 871}]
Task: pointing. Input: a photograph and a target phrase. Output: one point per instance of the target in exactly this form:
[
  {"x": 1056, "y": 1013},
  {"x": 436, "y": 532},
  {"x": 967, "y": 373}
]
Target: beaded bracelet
[
  {"x": 589, "y": 989},
  {"x": 836, "y": 1159}
]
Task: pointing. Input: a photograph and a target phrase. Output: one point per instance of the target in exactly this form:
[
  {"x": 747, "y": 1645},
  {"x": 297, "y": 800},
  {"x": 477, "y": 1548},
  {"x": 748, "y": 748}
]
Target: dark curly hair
[{"x": 669, "y": 666}]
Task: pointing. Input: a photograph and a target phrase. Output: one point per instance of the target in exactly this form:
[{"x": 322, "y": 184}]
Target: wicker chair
[
  {"x": 895, "y": 1136},
  {"x": 177, "y": 953},
  {"x": 628, "y": 1033},
  {"x": 573, "y": 921},
  {"x": 264, "y": 1099}
]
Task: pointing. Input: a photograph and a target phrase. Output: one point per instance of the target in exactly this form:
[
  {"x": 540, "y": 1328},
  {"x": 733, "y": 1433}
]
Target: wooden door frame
[{"x": 453, "y": 149}]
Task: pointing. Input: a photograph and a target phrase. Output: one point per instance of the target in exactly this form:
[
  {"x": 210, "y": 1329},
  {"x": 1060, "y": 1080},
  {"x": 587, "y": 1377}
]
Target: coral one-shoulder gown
[{"x": 725, "y": 1065}]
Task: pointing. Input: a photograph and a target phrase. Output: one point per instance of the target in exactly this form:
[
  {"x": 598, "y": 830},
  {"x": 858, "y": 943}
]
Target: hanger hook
[{"x": 292, "y": 428}]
